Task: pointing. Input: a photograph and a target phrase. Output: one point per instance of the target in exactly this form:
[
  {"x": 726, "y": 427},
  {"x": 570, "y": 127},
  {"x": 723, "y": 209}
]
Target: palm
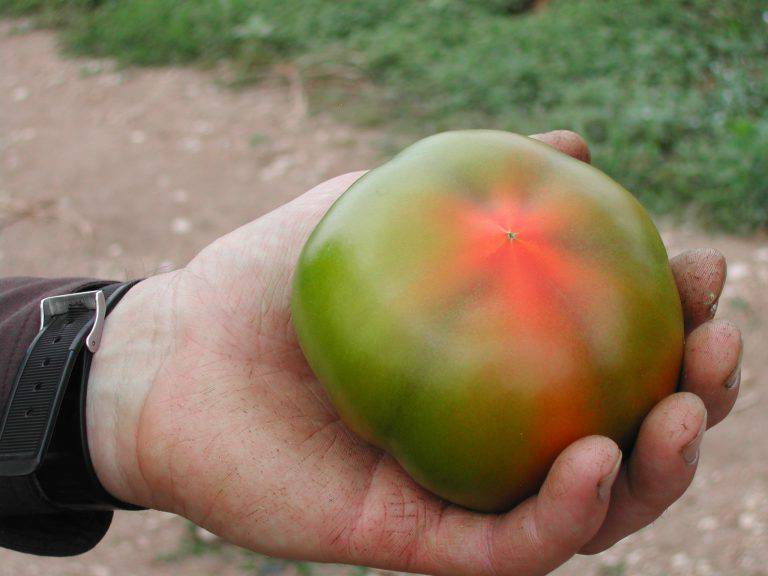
[
  {"x": 246, "y": 378},
  {"x": 238, "y": 435}
]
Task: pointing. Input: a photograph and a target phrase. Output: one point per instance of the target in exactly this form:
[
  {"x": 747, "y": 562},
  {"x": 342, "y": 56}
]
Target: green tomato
[{"x": 480, "y": 302}]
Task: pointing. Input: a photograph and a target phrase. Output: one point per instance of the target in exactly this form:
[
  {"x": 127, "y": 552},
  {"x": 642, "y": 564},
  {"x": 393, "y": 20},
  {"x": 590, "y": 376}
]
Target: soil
[{"x": 122, "y": 173}]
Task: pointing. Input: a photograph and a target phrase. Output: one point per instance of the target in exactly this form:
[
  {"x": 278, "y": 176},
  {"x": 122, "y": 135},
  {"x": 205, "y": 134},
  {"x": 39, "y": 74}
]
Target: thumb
[{"x": 532, "y": 539}]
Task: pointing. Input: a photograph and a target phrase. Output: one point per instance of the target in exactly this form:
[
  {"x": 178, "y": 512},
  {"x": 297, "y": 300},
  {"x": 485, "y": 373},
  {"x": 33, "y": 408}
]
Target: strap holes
[
  {"x": 46, "y": 361},
  {"x": 38, "y": 387},
  {"x": 28, "y": 413},
  {"x": 56, "y": 339}
]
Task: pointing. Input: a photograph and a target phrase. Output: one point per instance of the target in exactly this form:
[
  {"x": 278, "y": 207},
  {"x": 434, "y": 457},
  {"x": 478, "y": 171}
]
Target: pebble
[
  {"x": 205, "y": 535},
  {"x": 277, "y": 168},
  {"x": 20, "y": 93},
  {"x": 738, "y": 271},
  {"x": 708, "y": 523},
  {"x": 138, "y": 137},
  {"x": 749, "y": 522},
  {"x": 100, "y": 570},
  {"x": 181, "y": 225},
  {"x": 681, "y": 561}
]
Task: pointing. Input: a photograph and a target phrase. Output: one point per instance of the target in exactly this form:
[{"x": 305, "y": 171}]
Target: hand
[{"x": 201, "y": 403}]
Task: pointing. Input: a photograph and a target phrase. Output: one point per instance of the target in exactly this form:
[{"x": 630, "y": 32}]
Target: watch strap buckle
[{"x": 94, "y": 300}]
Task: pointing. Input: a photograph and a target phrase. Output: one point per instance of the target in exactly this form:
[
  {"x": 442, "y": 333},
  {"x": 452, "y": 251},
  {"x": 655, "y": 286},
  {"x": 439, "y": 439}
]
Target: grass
[{"x": 671, "y": 94}]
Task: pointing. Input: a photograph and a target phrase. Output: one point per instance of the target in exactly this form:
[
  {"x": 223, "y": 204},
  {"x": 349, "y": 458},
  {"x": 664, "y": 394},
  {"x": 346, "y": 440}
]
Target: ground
[{"x": 123, "y": 173}]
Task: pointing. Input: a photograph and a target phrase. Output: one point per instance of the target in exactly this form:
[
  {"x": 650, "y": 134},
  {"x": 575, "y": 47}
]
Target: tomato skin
[{"x": 480, "y": 302}]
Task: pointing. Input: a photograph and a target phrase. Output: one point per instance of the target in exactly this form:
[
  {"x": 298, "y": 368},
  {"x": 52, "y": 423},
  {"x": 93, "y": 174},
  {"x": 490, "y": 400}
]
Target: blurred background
[{"x": 134, "y": 132}]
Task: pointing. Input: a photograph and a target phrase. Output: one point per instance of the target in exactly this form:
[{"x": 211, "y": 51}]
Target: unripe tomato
[{"x": 480, "y": 302}]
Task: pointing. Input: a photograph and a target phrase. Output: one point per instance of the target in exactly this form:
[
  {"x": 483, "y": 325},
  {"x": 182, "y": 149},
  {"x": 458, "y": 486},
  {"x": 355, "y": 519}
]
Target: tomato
[{"x": 480, "y": 302}]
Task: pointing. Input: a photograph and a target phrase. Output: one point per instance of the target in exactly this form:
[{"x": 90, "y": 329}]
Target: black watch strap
[{"x": 42, "y": 435}]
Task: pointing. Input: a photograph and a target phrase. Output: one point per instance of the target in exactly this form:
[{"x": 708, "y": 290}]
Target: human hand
[{"x": 201, "y": 403}]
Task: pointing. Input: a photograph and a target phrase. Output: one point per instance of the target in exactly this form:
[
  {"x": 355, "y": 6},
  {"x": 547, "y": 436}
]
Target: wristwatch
[{"x": 44, "y": 458}]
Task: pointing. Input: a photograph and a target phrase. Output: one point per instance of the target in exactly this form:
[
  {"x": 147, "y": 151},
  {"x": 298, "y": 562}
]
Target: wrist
[{"x": 135, "y": 343}]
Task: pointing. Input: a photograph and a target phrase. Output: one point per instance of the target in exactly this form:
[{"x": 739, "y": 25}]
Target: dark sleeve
[{"x": 50, "y": 532}]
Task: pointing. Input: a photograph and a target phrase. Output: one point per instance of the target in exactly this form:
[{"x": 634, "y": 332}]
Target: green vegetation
[{"x": 671, "y": 94}]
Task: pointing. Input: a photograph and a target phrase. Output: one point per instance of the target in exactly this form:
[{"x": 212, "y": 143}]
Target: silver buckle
[{"x": 57, "y": 305}]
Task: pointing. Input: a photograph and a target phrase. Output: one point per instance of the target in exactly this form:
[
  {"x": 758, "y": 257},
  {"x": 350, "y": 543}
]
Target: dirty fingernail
[
  {"x": 690, "y": 451},
  {"x": 734, "y": 379},
  {"x": 605, "y": 484},
  {"x": 712, "y": 300}
]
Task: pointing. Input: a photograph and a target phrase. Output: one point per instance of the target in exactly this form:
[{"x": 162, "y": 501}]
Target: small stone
[
  {"x": 680, "y": 561},
  {"x": 100, "y": 570},
  {"x": 205, "y": 536},
  {"x": 20, "y": 93},
  {"x": 181, "y": 225},
  {"x": 737, "y": 271},
  {"x": 277, "y": 168},
  {"x": 708, "y": 523},
  {"x": 138, "y": 137},
  {"x": 749, "y": 522}
]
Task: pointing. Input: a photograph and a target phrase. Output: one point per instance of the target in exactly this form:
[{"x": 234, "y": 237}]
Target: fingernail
[
  {"x": 606, "y": 482},
  {"x": 712, "y": 300},
  {"x": 690, "y": 451},
  {"x": 735, "y": 378}
]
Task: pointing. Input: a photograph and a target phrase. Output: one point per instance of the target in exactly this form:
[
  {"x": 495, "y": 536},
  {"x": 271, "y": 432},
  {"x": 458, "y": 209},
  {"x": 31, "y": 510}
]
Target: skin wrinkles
[{"x": 277, "y": 507}]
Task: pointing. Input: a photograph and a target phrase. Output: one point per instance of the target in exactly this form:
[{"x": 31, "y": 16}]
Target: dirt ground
[{"x": 123, "y": 173}]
